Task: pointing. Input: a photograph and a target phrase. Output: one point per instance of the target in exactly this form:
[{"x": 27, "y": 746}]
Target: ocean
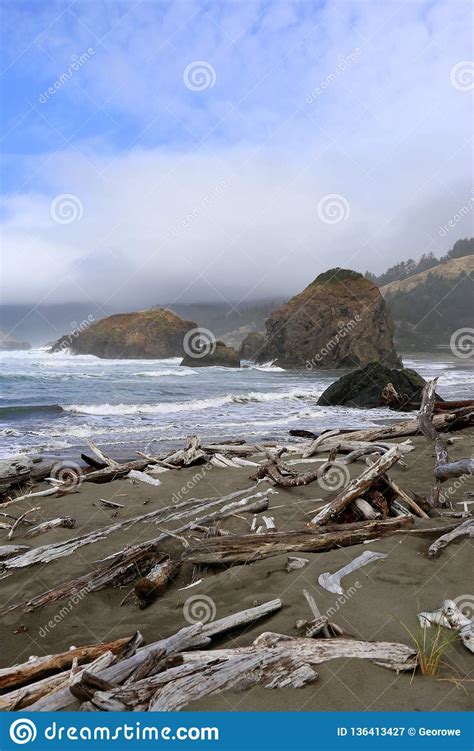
[{"x": 53, "y": 403}]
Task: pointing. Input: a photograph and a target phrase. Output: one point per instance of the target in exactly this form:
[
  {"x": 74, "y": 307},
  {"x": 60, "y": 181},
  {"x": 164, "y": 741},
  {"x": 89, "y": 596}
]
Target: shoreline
[{"x": 383, "y": 595}]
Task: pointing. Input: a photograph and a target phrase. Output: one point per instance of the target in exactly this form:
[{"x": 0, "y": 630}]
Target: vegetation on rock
[
  {"x": 148, "y": 334},
  {"x": 339, "y": 321}
]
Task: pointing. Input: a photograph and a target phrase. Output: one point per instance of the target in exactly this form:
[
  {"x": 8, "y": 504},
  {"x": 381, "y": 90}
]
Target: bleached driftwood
[
  {"x": 271, "y": 668},
  {"x": 134, "y": 474},
  {"x": 364, "y": 509},
  {"x": 103, "y": 458},
  {"x": 187, "y": 511},
  {"x": 273, "y": 661},
  {"x": 444, "y": 470},
  {"x": 449, "y": 470},
  {"x": 14, "y": 470},
  {"x": 450, "y": 616},
  {"x": 332, "y": 582},
  {"x": 204, "y": 674},
  {"x": 189, "y": 637},
  {"x": 390, "y": 655},
  {"x": 405, "y": 497},
  {"x": 20, "y": 698},
  {"x": 359, "y": 453},
  {"x": 311, "y": 450},
  {"x": 243, "y": 617},
  {"x": 111, "y": 504},
  {"x": 8, "y": 551},
  {"x": 38, "y": 667},
  {"x": 447, "y": 421},
  {"x": 21, "y": 519},
  {"x": 192, "y": 454},
  {"x": 356, "y": 487},
  {"x": 125, "y": 568},
  {"x": 57, "y": 491},
  {"x": 61, "y": 521},
  {"x": 294, "y": 563},
  {"x": 466, "y": 529},
  {"x": 315, "y": 626},
  {"x": 252, "y": 547}
]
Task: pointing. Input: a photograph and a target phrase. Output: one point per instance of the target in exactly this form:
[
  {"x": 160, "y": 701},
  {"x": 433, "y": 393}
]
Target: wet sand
[{"x": 380, "y": 598}]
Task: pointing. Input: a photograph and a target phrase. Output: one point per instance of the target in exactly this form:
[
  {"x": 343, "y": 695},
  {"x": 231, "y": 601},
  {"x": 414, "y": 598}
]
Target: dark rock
[
  {"x": 363, "y": 388},
  {"x": 216, "y": 355},
  {"x": 149, "y": 334},
  {"x": 339, "y": 321},
  {"x": 251, "y": 346}
]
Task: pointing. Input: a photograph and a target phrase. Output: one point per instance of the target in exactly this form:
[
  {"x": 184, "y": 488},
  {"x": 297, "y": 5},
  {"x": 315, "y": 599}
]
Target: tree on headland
[{"x": 405, "y": 269}]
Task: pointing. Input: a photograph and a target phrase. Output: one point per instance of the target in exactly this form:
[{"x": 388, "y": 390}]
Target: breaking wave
[{"x": 188, "y": 406}]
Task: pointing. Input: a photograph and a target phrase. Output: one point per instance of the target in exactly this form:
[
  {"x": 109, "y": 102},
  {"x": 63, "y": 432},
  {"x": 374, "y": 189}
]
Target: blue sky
[{"x": 209, "y": 187}]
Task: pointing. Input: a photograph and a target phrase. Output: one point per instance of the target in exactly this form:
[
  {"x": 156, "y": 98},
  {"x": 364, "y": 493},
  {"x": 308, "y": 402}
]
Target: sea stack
[
  {"x": 217, "y": 355},
  {"x": 339, "y": 321},
  {"x": 149, "y": 334}
]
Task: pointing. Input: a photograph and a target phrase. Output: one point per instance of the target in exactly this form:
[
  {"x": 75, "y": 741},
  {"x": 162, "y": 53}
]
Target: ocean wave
[
  {"x": 28, "y": 410},
  {"x": 162, "y": 373},
  {"x": 267, "y": 367},
  {"x": 188, "y": 406}
]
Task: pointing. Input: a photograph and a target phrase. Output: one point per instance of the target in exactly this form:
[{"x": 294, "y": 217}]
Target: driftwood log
[
  {"x": 166, "y": 676},
  {"x": 251, "y": 547},
  {"x": 39, "y": 667},
  {"x": 61, "y": 521},
  {"x": 8, "y": 551},
  {"x": 273, "y": 661},
  {"x": 466, "y": 529},
  {"x": 397, "y": 401},
  {"x": 19, "y": 698},
  {"x": 186, "y": 511},
  {"x": 444, "y": 470},
  {"x": 356, "y": 487},
  {"x": 126, "y": 567},
  {"x": 190, "y": 637},
  {"x": 154, "y": 584}
]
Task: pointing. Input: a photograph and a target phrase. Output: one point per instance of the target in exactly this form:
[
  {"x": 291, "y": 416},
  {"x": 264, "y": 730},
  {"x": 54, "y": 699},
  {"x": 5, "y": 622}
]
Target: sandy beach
[{"x": 381, "y": 599}]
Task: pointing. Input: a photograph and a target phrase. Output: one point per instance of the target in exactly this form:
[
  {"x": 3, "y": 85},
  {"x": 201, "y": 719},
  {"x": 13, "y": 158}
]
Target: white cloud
[{"x": 387, "y": 131}]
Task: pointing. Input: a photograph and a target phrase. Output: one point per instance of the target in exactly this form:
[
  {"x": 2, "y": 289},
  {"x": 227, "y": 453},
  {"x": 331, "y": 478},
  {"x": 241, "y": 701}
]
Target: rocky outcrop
[
  {"x": 339, "y": 321},
  {"x": 149, "y": 334},
  {"x": 216, "y": 355},
  {"x": 251, "y": 346},
  {"x": 363, "y": 388}
]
